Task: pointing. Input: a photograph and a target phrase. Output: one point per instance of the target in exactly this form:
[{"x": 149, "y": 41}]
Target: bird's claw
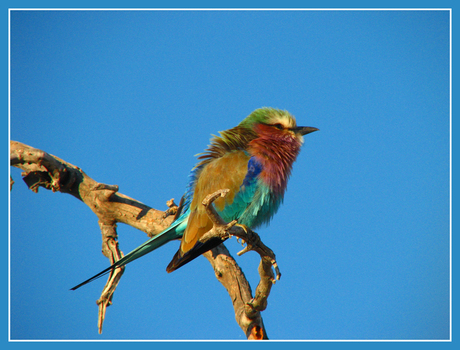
[
  {"x": 244, "y": 227},
  {"x": 240, "y": 240}
]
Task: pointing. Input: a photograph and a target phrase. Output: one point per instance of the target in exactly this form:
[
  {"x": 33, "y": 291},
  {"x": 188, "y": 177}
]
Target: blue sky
[{"x": 362, "y": 239}]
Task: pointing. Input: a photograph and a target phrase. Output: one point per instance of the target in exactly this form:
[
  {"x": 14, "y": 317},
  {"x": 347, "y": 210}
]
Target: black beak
[{"x": 303, "y": 130}]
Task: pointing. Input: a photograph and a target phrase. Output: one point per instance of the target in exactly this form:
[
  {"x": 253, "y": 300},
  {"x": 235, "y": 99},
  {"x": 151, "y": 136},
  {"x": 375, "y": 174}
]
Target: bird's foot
[{"x": 251, "y": 239}]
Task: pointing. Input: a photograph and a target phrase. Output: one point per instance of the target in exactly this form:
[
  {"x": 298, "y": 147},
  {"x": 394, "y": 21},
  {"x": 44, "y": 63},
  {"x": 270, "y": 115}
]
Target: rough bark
[{"x": 41, "y": 169}]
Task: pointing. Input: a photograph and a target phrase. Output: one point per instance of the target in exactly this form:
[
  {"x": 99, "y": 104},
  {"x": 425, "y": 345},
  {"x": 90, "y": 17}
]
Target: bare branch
[
  {"x": 111, "y": 250},
  {"x": 45, "y": 170}
]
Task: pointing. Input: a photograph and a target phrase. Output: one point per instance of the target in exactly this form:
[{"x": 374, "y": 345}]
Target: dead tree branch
[{"x": 41, "y": 169}]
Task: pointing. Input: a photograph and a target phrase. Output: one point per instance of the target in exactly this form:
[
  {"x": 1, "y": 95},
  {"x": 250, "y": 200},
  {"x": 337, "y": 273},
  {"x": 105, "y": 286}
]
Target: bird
[{"x": 253, "y": 161}]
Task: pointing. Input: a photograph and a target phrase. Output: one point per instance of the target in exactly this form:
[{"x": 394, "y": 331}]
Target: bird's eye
[{"x": 279, "y": 126}]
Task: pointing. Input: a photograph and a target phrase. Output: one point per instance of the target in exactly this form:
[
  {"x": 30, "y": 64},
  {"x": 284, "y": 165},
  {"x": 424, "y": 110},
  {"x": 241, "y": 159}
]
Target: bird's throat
[{"x": 276, "y": 154}]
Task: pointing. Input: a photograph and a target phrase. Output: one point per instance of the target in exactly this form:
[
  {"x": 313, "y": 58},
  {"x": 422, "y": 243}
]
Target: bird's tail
[
  {"x": 171, "y": 233},
  {"x": 180, "y": 258}
]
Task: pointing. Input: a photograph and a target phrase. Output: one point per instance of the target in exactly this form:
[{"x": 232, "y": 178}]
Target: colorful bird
[{"x": 253, "y": 161}]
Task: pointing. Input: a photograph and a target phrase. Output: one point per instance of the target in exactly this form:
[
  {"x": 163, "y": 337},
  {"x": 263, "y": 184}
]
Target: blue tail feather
[{"x": 173, "y": 232}]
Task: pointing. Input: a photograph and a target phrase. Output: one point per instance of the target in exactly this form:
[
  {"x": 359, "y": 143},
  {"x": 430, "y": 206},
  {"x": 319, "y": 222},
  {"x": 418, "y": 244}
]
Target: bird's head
[
  {"x": 276, "y": 123},
  {"x": 265, "y": 131}
]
